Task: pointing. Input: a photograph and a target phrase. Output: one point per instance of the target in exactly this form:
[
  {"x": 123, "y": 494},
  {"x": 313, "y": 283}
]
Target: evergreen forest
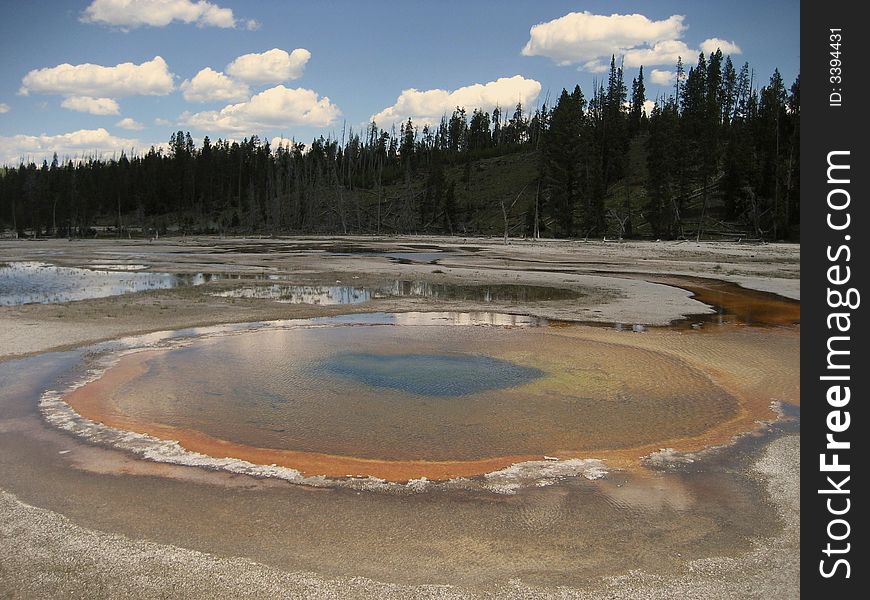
[{"x": 715, "y": 158}]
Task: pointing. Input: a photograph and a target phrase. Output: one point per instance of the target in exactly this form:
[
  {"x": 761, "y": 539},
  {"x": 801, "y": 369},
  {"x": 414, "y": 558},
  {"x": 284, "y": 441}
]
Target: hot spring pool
[{"x": 360, "y": 395}]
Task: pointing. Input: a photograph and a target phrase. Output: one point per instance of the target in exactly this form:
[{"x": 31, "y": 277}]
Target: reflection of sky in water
[{"x": 40, "y": 283}]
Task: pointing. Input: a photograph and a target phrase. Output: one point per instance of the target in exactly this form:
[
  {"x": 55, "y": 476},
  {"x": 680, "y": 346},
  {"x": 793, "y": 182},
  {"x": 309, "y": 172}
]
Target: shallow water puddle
[
  {"x": 346, "y": 294},
  {"x": 301, "y": 294},
  {"x": 41, "y": 283}
]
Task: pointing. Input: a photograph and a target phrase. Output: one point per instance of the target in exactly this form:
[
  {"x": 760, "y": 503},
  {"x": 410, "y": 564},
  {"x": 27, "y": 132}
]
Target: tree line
[{"x": 716, "y": 155}]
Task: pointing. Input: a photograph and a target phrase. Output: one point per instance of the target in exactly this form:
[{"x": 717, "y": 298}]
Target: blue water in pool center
[{"x": 445, "y": 375}]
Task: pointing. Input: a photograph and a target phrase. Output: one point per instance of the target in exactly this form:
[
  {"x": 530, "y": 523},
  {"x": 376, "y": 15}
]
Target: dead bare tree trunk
[
  {"x": 703, "y": 213},
  {"x": 340, "y": 200},
  {"x": 621, "y": 221},
  {"x": 504, "y": 212},
  {"x": 380, "y": 193}
]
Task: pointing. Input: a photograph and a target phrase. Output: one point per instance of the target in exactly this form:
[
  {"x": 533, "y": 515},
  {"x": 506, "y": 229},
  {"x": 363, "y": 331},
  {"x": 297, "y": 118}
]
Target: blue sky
[{"x": 360, "y": 58}]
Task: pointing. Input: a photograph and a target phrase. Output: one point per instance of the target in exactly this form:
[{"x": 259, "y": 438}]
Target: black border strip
[{"x": 833, "y": 112}]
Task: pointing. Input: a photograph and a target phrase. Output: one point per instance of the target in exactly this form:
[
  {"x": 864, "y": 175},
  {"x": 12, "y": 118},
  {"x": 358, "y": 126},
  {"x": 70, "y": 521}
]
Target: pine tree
[
  {"x": 407, "y": 147},
  {"x": 636, "y": 116},
  {"x": 479, "y": 135},
  {"x": 663, "y": 210},
  {"x": 613, "y": 128},
  {"x": 728, "y": 92},
  {"x": 772, "y": 120},
  {"x": 457, "y": 130},
  {"x": 562, "y": 152}
]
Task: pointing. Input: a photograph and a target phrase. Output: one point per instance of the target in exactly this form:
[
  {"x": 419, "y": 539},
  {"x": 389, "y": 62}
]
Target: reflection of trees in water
[
  {"x": 313, "y": 294},
  {"x": 479, "y": 293},
  {"x": 302, "y": 294}
]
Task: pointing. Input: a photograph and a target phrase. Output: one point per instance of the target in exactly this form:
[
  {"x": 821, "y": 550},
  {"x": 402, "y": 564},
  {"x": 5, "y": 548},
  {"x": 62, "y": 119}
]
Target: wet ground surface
[
  {"x": 412, "y": 253},
  {"x": 733, "y": 303}
]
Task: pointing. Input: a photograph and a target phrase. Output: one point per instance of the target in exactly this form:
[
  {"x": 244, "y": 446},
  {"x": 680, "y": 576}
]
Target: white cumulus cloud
[
  {"x": 151, "y": 78},
  {"x": 579, "y": 38},
  {"x": 273, "y": 108},
  {"x": 76, "y": 144},
  {"x": 711, "y": 45},
  {"x": 589, "y": 40},
  {"x": 162, "y": 122},
  {"x": 660, "y": 77},
  {"x": 209, "y": 86},
  {"x": 427, "y": 106},
  {"x": 663, "y": 53},
  {"x": 4, "y": 108},
  {"x": 666, "y": 78},
  {"x": 129, "y": 14},
  {"x": 93, "y": 106},
  {"x": 648, "y": 106},
  {"x": 129, "y": 123},
  {"x": 272, "y": 66}
]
